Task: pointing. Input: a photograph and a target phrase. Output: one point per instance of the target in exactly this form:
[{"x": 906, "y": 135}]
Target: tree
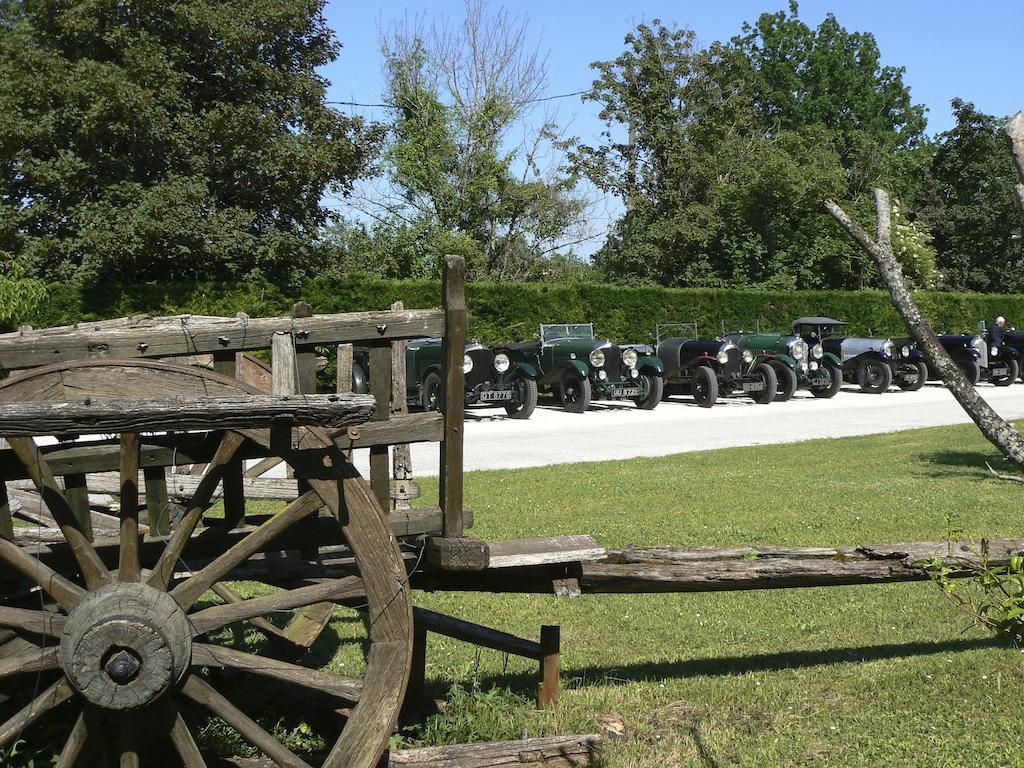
[
  {"x": 159, "y": 141},
  {"x": 451, "y": 171},
  {"x": 969, "y": 205},
  {"x": 721, "y": 155}
]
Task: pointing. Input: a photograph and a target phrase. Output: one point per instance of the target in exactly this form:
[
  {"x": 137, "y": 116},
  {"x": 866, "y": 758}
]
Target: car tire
[
  {"x": 874, "y": 376},
  {"x": 655, "y": 389},
  {"x": 971, "y": 370},
  {"x": 705, "y": 386},
  {"x": 787, "y": 382},
  {"x": 430, "y": 392},
  {"x": 922, "y": 377},
  {"x": 835, "y": 381},
  {"x": 528, "y": 398},
  {"x": 575, "y": 393},
  {"x": 771, "y": 383},
  {"x": 1011, "y": 377}
]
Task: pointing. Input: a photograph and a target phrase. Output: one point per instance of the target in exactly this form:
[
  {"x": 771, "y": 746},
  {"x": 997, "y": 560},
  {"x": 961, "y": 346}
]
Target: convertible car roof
[{"x": 817, "y": 321}]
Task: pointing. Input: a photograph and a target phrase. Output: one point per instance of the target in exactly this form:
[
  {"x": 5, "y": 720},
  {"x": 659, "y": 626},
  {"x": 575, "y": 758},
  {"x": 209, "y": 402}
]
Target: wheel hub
[{"x": 125, "y": 645}]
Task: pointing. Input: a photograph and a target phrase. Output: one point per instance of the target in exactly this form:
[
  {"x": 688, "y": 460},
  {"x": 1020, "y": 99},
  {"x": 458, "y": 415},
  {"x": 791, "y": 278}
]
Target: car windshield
[
  {"x": 824, "y": 331},
  {"x": 567, "y": 331}
]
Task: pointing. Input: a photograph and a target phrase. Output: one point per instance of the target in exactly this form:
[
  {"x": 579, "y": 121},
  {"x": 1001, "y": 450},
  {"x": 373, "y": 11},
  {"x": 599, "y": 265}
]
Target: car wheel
[
  {"x": 525, "y": 398},
  {"x": 922, "y": 377},
  {"x": 575, "y": 393},
  {"x": 787, "y": 382},
  {"x": 771, "y": 383},
  {"x": 705, "y": 386},
  {"x": 1009, "y": 378},
  {"x": 430, "y": 392},
  {"x": 874, "y": 376},
  {"x": 835, "y": 380},
  {"x": 971, "y": 370},
  {"x": 654, "y": 386}
]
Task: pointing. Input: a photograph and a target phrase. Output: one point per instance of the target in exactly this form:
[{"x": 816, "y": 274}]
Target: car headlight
[
  {"x": 723, "y": 355},
  {"x": 798, "y": 349},
  {"x": 994, "y": 351},
  {"x": 888, "y": 348},
  {"x": 813, "y": 365},
  {"x": 905, "y": 351},
  {"x": 634, "y": 373},
  {"x": 597, "y": 358},
  {"x": 467, "y": 363},
  {"x": 748, "y": 356},
  {"x": 629, "y": 357},
  {"x": 602, "y": 375},
  {"x": 817, "y": 351},
  {"x": 501, "y": 362}
]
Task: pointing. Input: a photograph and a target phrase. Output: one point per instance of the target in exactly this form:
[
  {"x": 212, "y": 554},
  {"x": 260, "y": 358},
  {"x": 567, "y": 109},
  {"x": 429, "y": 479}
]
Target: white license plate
[
  {"x": 753, "y": 386},
  {"x": 999, "y": 371},
  {"x": 820, "y": 381},
  {"x": 496, "y": 394},
  {"x": 629, "y": 392}
]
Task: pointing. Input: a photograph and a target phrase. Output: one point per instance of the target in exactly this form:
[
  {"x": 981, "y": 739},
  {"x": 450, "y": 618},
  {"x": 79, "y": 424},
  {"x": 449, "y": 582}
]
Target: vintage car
[
  {"x": 491, "y": 377},
  {"x": 967, "y": 351},
  {"x": 868, "y": 362},
  {"x": 576, "y": 367},
  {"x": 1001, "y": 363},
  {"x": 911, "y": 369},
  {"x": 709, "y": 368},
  {"x": 1015, "y": 339},
  {"x": 787, "y": 355}
]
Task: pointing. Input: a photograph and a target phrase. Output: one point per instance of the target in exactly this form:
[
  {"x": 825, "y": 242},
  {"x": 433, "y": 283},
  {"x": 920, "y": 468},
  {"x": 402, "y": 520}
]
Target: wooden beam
[
  {"x": 158, "y": 510},
  {"x": 555, "y": 549},
  {"x": 183, "y": 413},
  {"x": 185, "y": 335},
  {"x": 550, "y": 666},
  {"x": 380, "y": 388},
  {"x": 453, "y": 384},
  {"x": 547, "y": 751},
  {"x": 401, "y": 454},
  {"x": 467, "y": 631}
]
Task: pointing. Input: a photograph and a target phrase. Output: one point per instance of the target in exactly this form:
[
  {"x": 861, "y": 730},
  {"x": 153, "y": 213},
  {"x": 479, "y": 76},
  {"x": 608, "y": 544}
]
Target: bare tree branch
[{"x": 997, "y": 430}]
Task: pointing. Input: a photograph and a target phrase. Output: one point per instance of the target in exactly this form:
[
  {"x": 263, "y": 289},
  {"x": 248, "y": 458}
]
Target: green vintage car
[
  {"x": 576, "y": 367},
  {"x": 787, "y": 355},
  {"x": 491, "y": 377}
]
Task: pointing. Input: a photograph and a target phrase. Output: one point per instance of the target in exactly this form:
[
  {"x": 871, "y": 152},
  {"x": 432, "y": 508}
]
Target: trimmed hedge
[{"x": 513, "y": 311}]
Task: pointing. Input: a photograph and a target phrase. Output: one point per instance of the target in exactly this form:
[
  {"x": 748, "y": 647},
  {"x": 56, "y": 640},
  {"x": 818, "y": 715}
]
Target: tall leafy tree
[
  {"x": 456, "y": 175},
  {"x": 970, "y": 207},
  {"x": 152, "y": 140},
  {"x": 723, "y": 155}
]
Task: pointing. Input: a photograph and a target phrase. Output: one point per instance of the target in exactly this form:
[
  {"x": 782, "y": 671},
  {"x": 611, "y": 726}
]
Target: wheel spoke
[
  {"x": 33, "y": 661},
  {"x": 217, "y": 616},
  {"x": 200, "y": 502},
  {"x": 270, "y": 631},
  {"x": 203, "y": 693},
  {"x": 339, "y": 686},
  {"x": 129, "y": 735},
  {"x": 66, "y": 593},
  {"x": 184, "y": 743},
  {"x": 75, "y": 744},
  {"x": 128, "y": 568},
  {"x": 192, "y": 588},
  {"x": 36, "y": 622},
  {"x": 93, "y": 569},
  {"x": 48, "y": 700}
]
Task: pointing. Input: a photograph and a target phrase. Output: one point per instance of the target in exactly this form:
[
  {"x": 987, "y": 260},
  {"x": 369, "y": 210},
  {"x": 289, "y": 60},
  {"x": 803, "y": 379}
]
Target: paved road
[{"x": 621, "y": 431}]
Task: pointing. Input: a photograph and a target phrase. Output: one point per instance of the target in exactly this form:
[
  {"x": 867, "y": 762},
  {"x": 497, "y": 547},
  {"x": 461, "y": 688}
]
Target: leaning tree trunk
[
  {"x": 1014, "y": 131},
  {"x": 998, "y": 431}
]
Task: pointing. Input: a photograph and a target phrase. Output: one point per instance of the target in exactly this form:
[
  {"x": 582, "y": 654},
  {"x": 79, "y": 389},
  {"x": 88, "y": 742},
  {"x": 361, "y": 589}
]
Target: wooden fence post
[
  {"x": 453, "y": 386},
  {"x": 380, "y": 388},
  {"x": 402, "y": 490},
  {"x": 550, "y": 666}
]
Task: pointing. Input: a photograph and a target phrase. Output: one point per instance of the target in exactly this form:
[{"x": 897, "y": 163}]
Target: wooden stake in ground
[{"x": 997, "y": 430}]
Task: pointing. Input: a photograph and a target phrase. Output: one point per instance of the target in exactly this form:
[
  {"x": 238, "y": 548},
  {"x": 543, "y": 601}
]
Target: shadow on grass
[
  {"x": 739, "y": 665},
  {"x": 961, "y": 463}
]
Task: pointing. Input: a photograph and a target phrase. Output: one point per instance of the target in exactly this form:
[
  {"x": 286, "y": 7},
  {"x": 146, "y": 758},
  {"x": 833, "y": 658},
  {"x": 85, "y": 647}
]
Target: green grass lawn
[{"x": 852, "y": 676}]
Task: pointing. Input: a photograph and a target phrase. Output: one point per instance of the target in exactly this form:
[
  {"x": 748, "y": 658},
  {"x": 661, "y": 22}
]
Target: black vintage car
[
  {"x": 491, "y": 377},
  {"x": 1015, "y": 339},
  {"x": 966, "y": 351},
  {"x": 575, "y": 366},
  {"x": 1001, "y": 362},
  {"x": 709, "y": 368},
  {"x": 911, "y": 368}
]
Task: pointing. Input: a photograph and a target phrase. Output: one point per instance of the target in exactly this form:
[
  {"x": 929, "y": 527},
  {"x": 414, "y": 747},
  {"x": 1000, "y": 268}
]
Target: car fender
[
  {"x": 786, "y": 360},
  {"x": 360, "y": 382},
  {"x": 833, "y": 357},
  {"x": 1012, "y": 352},
  {"x": 575, "y": 366},
  {"x": 522, "y": 369},
  {"x": 649, "y": 364}
]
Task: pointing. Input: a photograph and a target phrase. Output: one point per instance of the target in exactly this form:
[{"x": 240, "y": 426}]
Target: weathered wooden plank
[
  {"x": 425, "y": 427},
  {"x": 158, "y": 510},
  {"x": 182, "y": 413},
  {"x": 344, "y": 376},
  {"x": 401, "y": 454},
  {"x": 191, "y": 335},
  {"x": 380, "y": 388},
  {"x": 453, "y": 383},
  {"x": 550, "y": 666},
  {"x": 448, "y": 553},
  {"x": 555, "y": 549},
  {"x": 467, "y": 631}
]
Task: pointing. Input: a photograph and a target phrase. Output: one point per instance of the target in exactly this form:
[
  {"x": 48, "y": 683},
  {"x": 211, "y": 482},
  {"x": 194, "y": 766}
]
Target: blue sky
[{"x": 949, "y": 49}]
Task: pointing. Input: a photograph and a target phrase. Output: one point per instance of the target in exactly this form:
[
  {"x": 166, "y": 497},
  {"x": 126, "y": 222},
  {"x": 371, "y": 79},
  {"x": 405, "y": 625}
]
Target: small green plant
[
  {"x": 993, "y": 595},
  {"x": 476, "y": 714}
]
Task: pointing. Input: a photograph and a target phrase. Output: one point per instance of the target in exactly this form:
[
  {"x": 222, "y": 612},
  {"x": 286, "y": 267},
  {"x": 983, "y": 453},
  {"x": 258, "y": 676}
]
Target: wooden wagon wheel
[{"x": 130, "y": 638}]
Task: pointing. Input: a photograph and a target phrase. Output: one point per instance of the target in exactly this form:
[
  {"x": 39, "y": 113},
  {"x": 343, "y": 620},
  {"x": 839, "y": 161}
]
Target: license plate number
[
  {"x": 629, "y": 392},
  {"x": 753, "y": 386},
  {"x": 1000, "y": 371},
  {"x": 496, "y": 394},
  {"x": 819, "y": 381}
]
